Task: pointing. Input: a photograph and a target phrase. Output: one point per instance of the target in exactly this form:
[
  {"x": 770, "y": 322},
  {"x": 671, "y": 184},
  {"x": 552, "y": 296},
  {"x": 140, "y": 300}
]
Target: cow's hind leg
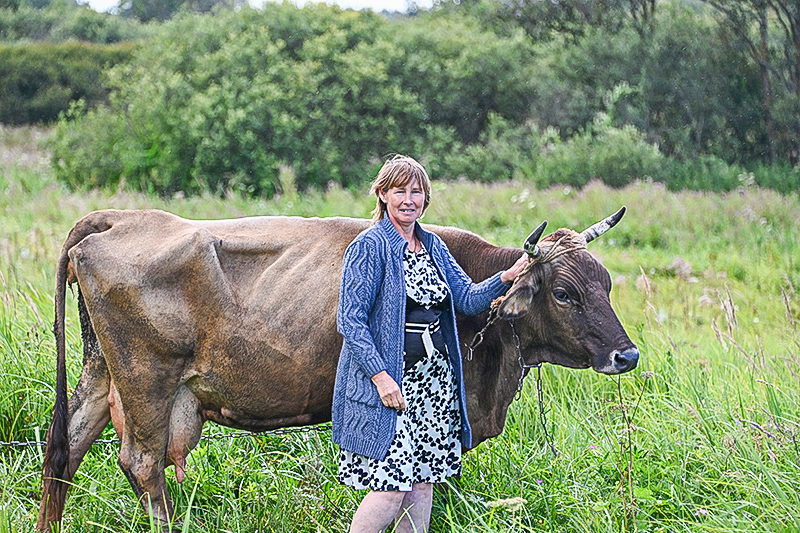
[
  {"x": 89, "y": 415},
  {"x": 88, "y": 408},
  {"x": 147, "y": 408},
  {"x": 143, "y": 465},
  {"x": 88, "y": 411}
]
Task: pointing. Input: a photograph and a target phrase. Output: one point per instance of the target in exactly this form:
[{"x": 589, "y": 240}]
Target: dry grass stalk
[
  {"x": 789, "y": 316},
  {"x": 643, "y": 282},
  {"x": 730, "y": 310},
  {"x": 718, "y": 334}
]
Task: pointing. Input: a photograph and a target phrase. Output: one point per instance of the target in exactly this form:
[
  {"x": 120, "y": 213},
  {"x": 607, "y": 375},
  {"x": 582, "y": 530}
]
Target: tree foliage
[
  {"x": 64, "y": 20},
  {"x": 160, "y": 10},
  {"x": 37, "y": 82},
  {"x": 226, "y": 101},
  {"x": 770, "y": 32},
  {"x": 222, "y": 102}
]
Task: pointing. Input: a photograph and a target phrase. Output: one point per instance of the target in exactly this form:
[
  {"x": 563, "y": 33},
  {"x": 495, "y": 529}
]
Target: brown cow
[{"x": 235, "y": 321}]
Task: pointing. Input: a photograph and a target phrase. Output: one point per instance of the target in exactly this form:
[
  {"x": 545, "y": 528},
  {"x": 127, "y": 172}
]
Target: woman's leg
[
  {"x": 414, "y": 515},
  {"x": 377, "y": 511}
]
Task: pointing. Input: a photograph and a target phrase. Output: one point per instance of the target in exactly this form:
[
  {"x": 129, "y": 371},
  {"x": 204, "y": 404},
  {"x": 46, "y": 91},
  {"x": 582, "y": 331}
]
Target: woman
[{"x": 399, "y": 405}]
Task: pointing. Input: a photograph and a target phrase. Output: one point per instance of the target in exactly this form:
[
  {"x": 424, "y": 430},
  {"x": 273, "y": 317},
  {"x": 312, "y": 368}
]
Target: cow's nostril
[{"x": 627, "y": 360}]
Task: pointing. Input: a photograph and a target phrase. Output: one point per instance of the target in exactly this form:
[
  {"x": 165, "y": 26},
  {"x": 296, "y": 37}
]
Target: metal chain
[
  {"x": 303, "y": 429},
  {"x": 542, "y": 414},
  {"x": 21, "y": 444},
  {"x": 522, "y": 366},
  {"x": 478, "y": 338},
  {"x": 539, "y": 388}
]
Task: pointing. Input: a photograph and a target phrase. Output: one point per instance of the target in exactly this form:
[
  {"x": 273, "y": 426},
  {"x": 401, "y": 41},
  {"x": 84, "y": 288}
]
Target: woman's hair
[{"x": 399, "y": 171}]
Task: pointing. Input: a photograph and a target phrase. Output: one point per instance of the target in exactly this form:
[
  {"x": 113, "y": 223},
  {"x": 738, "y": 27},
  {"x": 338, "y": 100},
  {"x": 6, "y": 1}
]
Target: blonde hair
[{"x": 399, "y": 171}]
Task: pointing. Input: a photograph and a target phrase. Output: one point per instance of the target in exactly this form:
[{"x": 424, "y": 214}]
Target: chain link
[
  {"x": 522, "y": 366},
  {"x": 539, "y": 387},
  {"x": 214, "y": 436}
]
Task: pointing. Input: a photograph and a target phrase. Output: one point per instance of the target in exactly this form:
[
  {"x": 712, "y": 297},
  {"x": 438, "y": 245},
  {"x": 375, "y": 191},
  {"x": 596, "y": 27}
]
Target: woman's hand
[
  {"x": 389, "y": 391},
  {"x": 511, "y": 274}
]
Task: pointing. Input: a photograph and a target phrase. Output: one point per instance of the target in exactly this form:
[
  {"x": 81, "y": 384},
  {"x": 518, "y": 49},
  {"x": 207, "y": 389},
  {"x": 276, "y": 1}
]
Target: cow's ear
[{"x": 517, "y": 302}]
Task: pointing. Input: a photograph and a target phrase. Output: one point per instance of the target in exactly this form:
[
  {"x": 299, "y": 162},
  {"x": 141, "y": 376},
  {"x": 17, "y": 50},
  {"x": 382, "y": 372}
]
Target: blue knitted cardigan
[{"x": 371, "y": 318}]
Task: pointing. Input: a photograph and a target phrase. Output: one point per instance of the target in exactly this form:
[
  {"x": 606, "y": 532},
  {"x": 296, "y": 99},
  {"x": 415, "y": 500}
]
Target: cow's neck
[
  {"x": 491, "y": 376},
  {"x": 493, "y": 373}
]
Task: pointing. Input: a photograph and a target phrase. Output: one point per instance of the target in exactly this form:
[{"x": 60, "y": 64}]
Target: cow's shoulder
[
  {"x": 458, "y": 240},
  {"x": 477, "y": 256}
]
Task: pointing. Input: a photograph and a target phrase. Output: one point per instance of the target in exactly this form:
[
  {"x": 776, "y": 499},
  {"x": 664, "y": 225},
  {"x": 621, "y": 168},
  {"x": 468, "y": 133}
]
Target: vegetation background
[
  {"x": 685, "y": 111},
  {"x": 215, "y": 95}
]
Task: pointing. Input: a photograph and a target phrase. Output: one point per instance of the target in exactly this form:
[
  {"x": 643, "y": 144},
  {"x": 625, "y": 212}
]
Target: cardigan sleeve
[
  {"x": 362, "y": 273},
  {"x": 469, "y": 298}
]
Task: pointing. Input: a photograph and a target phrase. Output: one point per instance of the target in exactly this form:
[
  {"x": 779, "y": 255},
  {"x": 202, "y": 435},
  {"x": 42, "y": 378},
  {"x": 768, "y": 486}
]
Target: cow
[{"x": 234, "y": 321}]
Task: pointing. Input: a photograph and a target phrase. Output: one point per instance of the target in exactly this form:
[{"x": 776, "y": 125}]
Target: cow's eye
[{"x": 562, "y": 296}]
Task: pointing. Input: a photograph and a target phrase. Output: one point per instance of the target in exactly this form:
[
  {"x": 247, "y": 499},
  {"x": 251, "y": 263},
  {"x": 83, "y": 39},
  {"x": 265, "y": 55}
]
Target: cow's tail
[{"x": 55, "y": 472}]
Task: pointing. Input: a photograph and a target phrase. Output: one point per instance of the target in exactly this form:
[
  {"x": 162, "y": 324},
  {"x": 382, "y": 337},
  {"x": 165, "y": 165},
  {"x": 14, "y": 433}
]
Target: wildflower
[{"x": 701, "y": 512}]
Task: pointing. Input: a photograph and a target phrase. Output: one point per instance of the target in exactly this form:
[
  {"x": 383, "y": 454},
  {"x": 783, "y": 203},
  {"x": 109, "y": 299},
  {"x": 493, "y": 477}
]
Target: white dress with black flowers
[{"x": 427, "y": 445}]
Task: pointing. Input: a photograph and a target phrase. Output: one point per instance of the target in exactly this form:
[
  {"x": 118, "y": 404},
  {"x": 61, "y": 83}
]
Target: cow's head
[{"x": 563, "y": 300}]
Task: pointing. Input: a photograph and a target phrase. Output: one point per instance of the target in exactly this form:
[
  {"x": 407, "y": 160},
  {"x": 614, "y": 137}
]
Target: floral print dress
[{"x": 427, "y": 445}]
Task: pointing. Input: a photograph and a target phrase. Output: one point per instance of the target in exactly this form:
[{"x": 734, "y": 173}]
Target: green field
[{"x": 702, "y": 436}]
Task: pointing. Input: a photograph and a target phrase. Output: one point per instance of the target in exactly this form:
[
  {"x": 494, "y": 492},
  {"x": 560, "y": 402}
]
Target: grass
[{"x": 703, "y": 436}]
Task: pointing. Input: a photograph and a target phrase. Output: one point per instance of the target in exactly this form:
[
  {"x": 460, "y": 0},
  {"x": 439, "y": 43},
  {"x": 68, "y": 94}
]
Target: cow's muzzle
[{"x": 621, "y": 361}]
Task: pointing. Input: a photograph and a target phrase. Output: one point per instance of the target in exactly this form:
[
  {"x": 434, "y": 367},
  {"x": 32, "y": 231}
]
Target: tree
[
  {"x": 544, "y": 19},
  {"x": 778, "y": 58},
  {"x": 571, "y": 17},
  {"x": 147, "y": 10},
  {"x": 643, "y": 14}
]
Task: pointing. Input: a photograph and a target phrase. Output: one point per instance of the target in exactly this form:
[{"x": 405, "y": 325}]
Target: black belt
[{"x": 413, "y": 327}]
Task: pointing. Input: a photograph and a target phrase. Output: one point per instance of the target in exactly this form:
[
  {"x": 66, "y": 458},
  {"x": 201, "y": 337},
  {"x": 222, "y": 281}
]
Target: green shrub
[
  {"x": 27, "y": 23},
  {"x": 783, "y": 178},
  {"x": 503, "y": 152},
  {"x": 221, "y": 103},
  {"x": 616, "y": 156},
  {"x": 65, "y": 21},
  {"x": 707, "y": 173},
  {"x": 459, "y": 84},
  {"x": 40, "y": 80}
]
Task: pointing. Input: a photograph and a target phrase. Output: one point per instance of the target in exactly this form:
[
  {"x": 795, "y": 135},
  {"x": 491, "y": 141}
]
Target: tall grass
[{"x": 703, "y": 436}]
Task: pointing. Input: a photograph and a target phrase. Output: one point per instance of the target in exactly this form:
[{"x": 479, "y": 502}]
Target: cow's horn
[
  {"x": 603, "y": 226},
  {"x": 530, "y": 243}
]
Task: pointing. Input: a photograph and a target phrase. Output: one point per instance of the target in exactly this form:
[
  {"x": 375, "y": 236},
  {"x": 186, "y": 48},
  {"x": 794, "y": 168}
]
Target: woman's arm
[
  {"x": 362, "y": 273},
  {"x": 472, "y": 298}
]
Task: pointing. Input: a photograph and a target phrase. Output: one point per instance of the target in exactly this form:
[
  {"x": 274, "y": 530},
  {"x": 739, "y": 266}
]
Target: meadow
[{"x": 702, "y": 436}]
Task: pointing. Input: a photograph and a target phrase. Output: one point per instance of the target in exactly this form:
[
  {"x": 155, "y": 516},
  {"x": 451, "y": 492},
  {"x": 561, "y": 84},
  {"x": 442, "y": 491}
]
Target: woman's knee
[
  {"x": 388, "y": 498},
  {"x": 422, "y": 489}
]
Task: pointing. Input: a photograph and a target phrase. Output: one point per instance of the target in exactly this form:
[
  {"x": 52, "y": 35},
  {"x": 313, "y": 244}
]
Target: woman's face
[{"x": 404, "y": 204}]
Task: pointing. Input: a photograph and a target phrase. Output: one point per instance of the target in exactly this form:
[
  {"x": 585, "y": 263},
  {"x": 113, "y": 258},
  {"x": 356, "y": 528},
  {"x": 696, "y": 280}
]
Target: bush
[
  {"x": 221, "y": 103},
  {"x": 616, "y": 156},
  {"x": 707, "y": 172},
  {"x": 782, "y": 178},
  {"x": 504, "y": 152},
  {"x": 38, "y": 81},
  {"x": 64, "y": 21}
]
